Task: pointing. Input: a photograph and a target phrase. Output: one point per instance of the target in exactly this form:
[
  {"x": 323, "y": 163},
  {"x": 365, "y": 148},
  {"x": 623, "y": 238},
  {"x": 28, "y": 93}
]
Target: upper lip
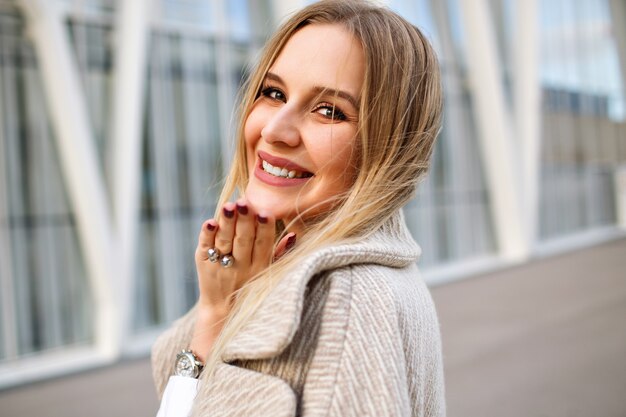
[{"x": 281, "y": 162}]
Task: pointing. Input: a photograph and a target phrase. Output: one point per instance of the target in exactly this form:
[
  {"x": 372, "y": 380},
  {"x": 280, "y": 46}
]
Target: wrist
[
  {"x": 208, "y": 325},
  {"x": 208, "y": 313}
]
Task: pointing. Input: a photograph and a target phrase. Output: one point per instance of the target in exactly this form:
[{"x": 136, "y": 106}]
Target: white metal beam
[
  {"x": 527, "y": 99},
  {"x": 79, "y": 164},
  {"x": 223, "y": 68},
  {"x": 127, "y": 110},
  {"x": 494, "y": 126},
  {"x": 456, "y": 129},
  {"x": 8, "y": 328},
  {"x": 618, "y": 26}
]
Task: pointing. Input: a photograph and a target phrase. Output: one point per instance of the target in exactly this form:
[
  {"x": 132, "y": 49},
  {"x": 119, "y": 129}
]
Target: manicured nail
[
  {"x": 242, "y": 209},
  {"x": 261, "y": 219},
  {"x": 229, "y": 213},
  {"x": 291, "y": 241},
  {"x": 210, "y": 226}
]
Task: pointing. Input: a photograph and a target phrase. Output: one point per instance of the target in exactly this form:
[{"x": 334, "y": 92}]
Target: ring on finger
[
  {"x": 227, "y": 261},
  {"x": 214, "y": 255}
]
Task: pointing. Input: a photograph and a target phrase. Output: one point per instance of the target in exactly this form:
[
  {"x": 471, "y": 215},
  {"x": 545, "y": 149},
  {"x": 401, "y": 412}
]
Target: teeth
[{"x": 280, "y": 172}]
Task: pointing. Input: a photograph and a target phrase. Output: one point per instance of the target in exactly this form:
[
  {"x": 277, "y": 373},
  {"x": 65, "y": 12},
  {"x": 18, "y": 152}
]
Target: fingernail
[
  {"x": 261, "y": 219},
  {"x": 229, "y": 213},
  {"x": 291, "y": 241},
  {"x": 210, "y": 226},
  {"x": 242, "y": 209}
]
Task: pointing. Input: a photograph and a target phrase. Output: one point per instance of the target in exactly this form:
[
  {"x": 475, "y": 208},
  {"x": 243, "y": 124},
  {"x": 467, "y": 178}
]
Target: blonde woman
[{"x": 310, "y": 301}]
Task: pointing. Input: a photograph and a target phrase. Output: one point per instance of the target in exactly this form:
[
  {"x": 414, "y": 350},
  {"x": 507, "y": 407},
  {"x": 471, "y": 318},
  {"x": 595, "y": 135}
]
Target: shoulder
[
  {"x": 381, "y": 344},
  {"x": 397, "y": 293}
]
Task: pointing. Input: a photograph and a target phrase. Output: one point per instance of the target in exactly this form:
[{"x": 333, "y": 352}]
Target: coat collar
[{"x": 272, "y": 328}]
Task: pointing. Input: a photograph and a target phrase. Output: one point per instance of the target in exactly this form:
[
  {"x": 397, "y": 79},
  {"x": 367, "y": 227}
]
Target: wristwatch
[{"x": 188, "y": 364}]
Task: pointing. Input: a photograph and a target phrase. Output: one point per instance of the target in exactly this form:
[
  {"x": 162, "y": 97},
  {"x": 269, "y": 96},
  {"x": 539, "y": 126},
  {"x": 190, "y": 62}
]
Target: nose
[{"x": 282, "y": 127}]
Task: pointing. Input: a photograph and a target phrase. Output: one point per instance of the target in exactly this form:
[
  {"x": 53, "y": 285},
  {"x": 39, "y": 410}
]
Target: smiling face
[{"x": 301, "y": 132}]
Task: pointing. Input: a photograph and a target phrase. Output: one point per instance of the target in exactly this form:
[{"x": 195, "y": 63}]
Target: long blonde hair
[{"x": 399, "y": 119}]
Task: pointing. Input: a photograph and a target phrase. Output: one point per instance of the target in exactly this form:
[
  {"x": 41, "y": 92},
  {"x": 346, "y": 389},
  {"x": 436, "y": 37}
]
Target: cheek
[
  {"x": 337, "y": 173},
  {"x": 343, "y": 165},
  {"x": 338, "y": 158},
  {"x": 251, "y": 130},
  {"x": 252, "y": 134}
]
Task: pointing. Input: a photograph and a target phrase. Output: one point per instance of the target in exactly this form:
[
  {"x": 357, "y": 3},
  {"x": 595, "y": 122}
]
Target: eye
[
  {"x": 274, "y": 93},
  {"x": 330, "y": 112}
]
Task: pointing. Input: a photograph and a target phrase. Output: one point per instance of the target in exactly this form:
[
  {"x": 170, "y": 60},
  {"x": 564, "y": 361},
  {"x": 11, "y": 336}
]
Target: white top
[{"x": 178, "y": 396}]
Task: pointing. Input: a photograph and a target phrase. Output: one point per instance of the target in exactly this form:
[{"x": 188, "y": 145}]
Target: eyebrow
[{"x": 320, "y": 90}]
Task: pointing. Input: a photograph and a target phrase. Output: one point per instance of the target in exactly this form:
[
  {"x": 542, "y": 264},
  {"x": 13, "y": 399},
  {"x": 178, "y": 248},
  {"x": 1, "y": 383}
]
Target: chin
[{"x": 268, "y": 203}]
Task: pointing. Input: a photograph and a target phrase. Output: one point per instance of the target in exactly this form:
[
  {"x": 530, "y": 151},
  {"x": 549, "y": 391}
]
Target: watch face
[{"x": 185, "y": 365}]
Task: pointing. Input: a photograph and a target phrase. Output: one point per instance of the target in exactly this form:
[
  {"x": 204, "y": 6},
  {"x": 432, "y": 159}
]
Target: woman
[{"x": 338, "y": 123}]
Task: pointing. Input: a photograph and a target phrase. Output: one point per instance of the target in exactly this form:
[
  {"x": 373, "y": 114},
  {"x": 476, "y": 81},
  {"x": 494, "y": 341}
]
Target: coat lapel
[{"x": 236, "y": 391}]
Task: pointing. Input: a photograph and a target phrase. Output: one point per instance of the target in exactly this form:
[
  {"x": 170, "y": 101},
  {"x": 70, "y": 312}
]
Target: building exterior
[{"x": 116, "y": 125}]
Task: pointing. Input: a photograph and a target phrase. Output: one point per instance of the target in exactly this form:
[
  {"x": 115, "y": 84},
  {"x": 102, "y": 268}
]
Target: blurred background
[{"x": 116, "y": 124}]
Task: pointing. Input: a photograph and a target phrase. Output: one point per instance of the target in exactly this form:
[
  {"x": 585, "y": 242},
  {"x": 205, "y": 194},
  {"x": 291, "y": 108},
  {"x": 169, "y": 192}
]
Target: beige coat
[{"x": 351, "y": 332}]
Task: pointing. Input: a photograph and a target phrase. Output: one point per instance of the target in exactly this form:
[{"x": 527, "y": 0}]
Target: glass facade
[
  {"x": 583, "y": 109},
  {"x": 190, "y": 94},
  {"x": 198, "y": 53},
  {"x": 44, "y": 292},
  {"x": 450, "y": 213}
]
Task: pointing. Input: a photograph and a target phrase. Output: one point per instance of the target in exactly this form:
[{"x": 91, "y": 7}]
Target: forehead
[{"x": 322, "y": 54}]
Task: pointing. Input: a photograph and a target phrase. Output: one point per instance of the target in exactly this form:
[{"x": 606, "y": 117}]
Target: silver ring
[
  {"x": 227, "y": 261},
  {"x": 214, "y": 254}
]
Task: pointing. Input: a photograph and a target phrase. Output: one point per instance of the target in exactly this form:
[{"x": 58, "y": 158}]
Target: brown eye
[
  {"x": 274, "y": 94},
  {"x": 330, "y": 112}
]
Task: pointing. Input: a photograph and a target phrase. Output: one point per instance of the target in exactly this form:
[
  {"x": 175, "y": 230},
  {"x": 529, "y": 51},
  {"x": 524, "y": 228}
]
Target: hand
[{"x": 249, "y": 238}]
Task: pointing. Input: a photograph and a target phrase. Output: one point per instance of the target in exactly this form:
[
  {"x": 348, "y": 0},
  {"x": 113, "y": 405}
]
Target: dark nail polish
[
  {"x": 210, "y": 226},
  {"x": 261, "y": 219},
  {"x": 243, "y": 209},
  {"x": 229, "y": 213},
  {"x": 291, "y": 241}
]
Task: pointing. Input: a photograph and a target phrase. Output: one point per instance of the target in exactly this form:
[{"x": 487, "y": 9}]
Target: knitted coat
[{"x": 352, "y": 331}]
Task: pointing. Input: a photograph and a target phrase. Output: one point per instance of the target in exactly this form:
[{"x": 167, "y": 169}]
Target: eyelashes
[
  {"x": 330, "y": 111},
  {"x": 325, "y": 109},
  {"x": 273, "y": 93}
]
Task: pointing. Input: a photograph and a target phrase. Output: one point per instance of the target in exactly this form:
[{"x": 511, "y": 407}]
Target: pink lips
[{"x": 280, "y": 162}]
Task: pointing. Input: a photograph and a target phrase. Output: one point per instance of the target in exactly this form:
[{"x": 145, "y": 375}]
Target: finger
[
  {"x": 263, "y": 241},
  {"x": 243, "y": 240},
  {"x": 226, "y": 229},
  {"x": 206, "y": 239},
  {"x": 285, "y": 245}
]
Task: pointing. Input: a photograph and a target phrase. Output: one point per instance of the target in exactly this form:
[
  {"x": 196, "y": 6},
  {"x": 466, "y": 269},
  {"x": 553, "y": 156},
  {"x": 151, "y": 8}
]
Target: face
[{"x": 301, "y": 132}]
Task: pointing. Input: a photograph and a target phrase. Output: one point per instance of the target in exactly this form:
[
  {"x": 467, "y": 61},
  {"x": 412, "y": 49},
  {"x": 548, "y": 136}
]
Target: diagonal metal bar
[
  {"x": 79, "y": 163},
  {"x": 527, "y": 96},
  {"x": 494, "y": 126}
]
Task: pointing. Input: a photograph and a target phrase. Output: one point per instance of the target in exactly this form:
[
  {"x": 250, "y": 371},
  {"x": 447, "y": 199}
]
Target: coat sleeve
[
  {"x": 379, "y": 349},
  {"x": 168, "y": 344}
]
